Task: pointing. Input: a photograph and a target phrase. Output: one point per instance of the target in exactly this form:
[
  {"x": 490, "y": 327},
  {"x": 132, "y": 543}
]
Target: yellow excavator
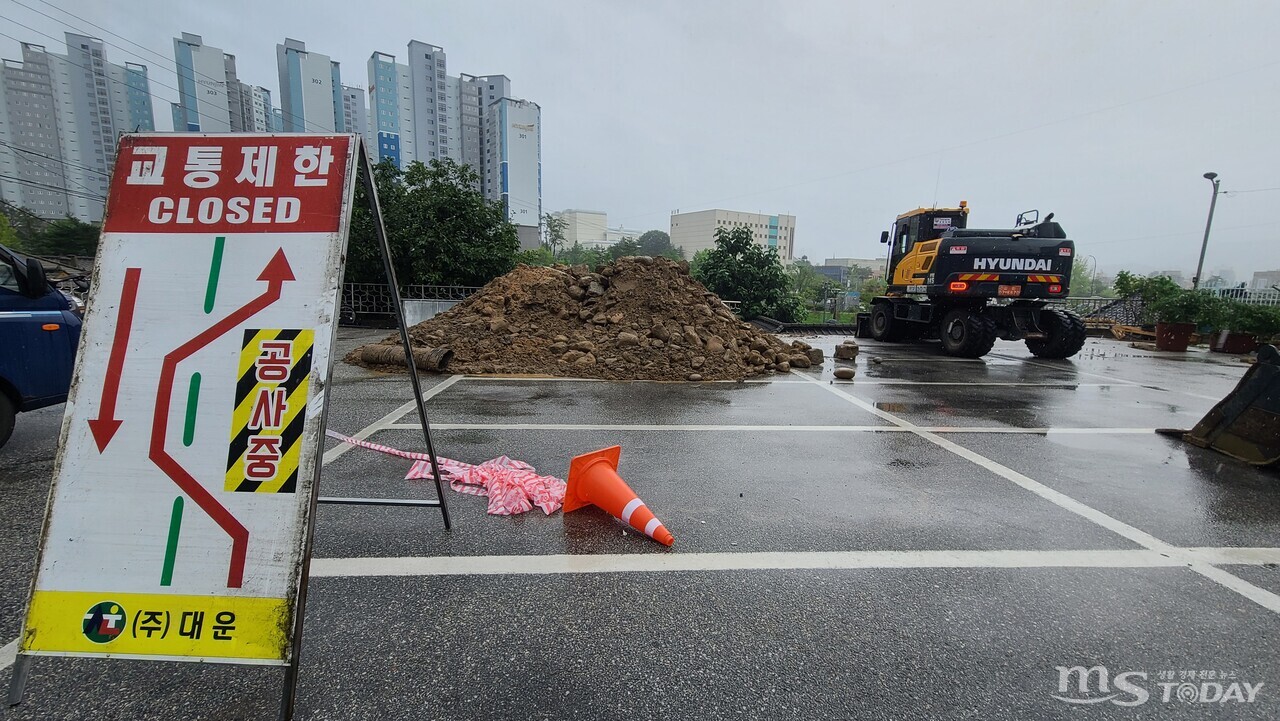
[{"x": 968, "y": 286}]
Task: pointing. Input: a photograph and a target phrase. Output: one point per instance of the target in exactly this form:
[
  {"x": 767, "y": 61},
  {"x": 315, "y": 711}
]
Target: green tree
[
  {"x": 575, "y": 254},
  {"x": 740, "y": 269},
  {"x": 657, "y": 243},
  {"x": 540, "y": 256},
  {"x": 578, "y": 255},
  {"x": 553, "y": 228},
  {"x": 441, "y": 230},
  {"x": 8, "y": 236},
  {"x": 871, "y": 288},
  {"x": 1085, "y": 280},
  {"x": 623, "y": 248},
  {"x": 66, "y": 236},
  {"x": 859, "y": 274},
  {"x": 25, "y": 224},
  {"x": 806, "y": 282},
  {"x": 364, "y": 258},
  {"x": 698, "y": 260}
]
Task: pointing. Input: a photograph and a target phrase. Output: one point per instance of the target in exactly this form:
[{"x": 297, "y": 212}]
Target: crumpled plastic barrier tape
[{"x": 512, "y": 486}]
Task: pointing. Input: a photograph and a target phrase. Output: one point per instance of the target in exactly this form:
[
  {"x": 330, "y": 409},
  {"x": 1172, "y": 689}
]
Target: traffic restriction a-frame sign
[{"x": 185, "y": 487}]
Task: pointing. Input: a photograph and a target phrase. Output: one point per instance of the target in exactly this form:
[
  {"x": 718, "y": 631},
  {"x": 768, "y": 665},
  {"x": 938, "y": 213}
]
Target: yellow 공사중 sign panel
[
  {"x": 186, "y": 468},
  {"x": 270, "y": 411}
]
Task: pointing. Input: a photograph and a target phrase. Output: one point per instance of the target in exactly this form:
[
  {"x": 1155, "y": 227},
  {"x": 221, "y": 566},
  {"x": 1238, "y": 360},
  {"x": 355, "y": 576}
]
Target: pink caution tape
[{"x": 512, "y": 486}]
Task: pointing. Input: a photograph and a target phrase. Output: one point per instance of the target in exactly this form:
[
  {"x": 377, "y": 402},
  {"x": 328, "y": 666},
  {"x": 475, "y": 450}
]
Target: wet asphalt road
[{"x": 919, "y": 454}]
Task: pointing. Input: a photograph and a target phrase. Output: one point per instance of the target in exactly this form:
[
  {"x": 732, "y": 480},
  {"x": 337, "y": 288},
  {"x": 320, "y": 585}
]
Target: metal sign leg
[
  {"x": 18, "y": 682},
  {"x": 291, "y": 671},
  {"x": 379, "y": 227}
]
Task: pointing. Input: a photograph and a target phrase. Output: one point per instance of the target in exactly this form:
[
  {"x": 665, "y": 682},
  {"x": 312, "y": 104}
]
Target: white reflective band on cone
[
  {"x": 630, "y": 508},
  {"x": 653, "y": 525}
]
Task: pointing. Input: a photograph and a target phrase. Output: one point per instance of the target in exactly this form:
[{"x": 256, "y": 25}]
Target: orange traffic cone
[{"x": 594, "y": 480}]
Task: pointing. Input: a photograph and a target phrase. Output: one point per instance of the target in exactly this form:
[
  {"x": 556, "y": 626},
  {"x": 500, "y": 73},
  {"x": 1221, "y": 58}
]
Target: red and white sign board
[{"x": 177, "y": 524}]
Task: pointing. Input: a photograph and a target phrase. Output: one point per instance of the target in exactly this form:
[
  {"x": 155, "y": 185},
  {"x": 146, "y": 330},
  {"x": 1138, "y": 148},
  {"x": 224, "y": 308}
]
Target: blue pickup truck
[{"x": 39, "y": 331}]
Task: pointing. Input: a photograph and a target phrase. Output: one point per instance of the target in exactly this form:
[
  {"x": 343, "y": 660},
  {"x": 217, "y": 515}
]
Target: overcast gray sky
[{"x": 841, "y": 113}]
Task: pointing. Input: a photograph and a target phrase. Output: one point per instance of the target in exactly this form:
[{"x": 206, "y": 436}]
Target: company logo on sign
[
  {"x": 529, "y": 128},
  {"x": 1078, "y": 685},
  {"x": 1011, "y": 264},
  {"x": 104, "y": 622},
  {"x": 940, "y": 223}
]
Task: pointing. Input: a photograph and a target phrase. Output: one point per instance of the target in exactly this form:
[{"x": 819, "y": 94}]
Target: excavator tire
[
  {"x": 967, "y": 333},
  {"x": 1066, "y": 334},
  {"x": 883, "y": 326}
]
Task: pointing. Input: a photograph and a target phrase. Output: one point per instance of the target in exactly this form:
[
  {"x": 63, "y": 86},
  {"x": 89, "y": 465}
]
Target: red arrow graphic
[
  {"x": 275, "y": 274},
  {"x": 104, "y": 427}
]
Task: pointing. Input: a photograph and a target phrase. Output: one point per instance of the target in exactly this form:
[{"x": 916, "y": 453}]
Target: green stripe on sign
[
  {"x": 171, "y": 547},
  {"x": 211, "y": 291},
  {"x": 193, "y": 400}
]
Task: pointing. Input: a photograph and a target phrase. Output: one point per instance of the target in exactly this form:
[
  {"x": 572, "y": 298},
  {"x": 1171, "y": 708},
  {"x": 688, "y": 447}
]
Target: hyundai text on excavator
[{"x": 969, "y": 286}]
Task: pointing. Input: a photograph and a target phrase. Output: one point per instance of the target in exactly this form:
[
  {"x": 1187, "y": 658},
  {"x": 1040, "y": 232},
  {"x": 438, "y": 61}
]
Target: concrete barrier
[{"x": 416, "y": 311}]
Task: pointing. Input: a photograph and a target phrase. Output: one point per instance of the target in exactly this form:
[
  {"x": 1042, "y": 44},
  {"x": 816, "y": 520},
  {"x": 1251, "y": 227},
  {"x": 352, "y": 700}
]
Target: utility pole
[{"x": 1212, "y": 178}]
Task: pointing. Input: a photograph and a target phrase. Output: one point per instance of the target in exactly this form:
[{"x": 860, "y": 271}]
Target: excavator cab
[{"x": 913, "y": 246}]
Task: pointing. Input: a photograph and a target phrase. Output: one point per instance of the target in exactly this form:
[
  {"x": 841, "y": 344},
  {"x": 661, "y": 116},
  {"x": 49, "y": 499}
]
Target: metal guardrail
[
  {"x": 1251, "y": 296},
  {"x": 374, "y": 299}
]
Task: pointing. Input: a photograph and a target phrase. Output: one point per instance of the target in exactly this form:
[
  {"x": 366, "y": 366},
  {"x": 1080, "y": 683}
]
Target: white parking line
[
  {"x": 860, "y": 381},
  {"x": 1235, "y": 555},
  {"x": 634, "y": 427},
  {"x": 918, "y": 359},
  {"x": 1113, "y": 379},
  {"x": 558, "y": 379},
  {"x": 1262, "y": 597},
  {"x": 1048, "y": 384},
  {"x": 666, "y": 562},
  {"x": 768, "y": 560},
  {"x": 763, "y": 428},
  {"x": 386, "y": 421}
]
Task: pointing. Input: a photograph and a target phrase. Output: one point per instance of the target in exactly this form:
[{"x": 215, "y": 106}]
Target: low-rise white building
[
  {"x": 696, "y": 231},
  {"x": 590, "y": 229}
]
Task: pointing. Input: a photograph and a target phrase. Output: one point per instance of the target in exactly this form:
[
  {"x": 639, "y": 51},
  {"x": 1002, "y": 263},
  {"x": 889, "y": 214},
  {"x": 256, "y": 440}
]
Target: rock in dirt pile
[{"x": 638, "y": 318}]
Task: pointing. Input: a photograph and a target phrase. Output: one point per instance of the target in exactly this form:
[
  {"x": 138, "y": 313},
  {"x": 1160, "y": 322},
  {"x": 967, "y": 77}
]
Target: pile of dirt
[{"x": 638, "y": 318}]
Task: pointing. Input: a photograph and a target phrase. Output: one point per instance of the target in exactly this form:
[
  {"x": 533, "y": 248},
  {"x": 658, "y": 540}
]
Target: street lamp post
[
  {"x": 1093, "y": 281},
  {"x": 1213, "y": 178}
]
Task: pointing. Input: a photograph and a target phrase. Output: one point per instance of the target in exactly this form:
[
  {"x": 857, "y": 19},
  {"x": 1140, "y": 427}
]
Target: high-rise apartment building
[
  {"x": 512, "y": 169},
  {"x": 207, "y": 87},
  {"x": 260, "y": 116},
  {"x": 60, "y": 116},
  {"x": 211, "y": 98},
  {"x": 355, "y": 112},
  {"x": 470, "y": 126},
  {"x": 310, "y": 90},
  {"x": 428, "y": 82},
  {"x": 391, "y": 126},
  {"x": 696, "y": 231},
  {"x": 418, "y": 111}
]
